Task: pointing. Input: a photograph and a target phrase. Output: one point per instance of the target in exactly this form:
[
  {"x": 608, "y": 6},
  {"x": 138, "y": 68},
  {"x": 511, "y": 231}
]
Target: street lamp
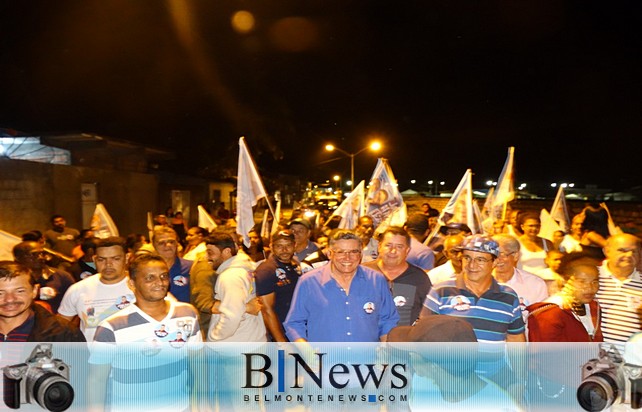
[{"x": 374, "y": 146}]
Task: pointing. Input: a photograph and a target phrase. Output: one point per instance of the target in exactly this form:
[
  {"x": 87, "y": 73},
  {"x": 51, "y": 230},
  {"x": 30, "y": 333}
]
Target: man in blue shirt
[
  {"x": 165, "y": 241},
  {"x": 341, "y": 301}
]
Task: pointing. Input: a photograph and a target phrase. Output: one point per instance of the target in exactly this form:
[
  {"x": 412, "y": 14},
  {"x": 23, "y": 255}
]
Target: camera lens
[
  {"x": 597, "y": 392},
  {"x": 53, "y": 392}
]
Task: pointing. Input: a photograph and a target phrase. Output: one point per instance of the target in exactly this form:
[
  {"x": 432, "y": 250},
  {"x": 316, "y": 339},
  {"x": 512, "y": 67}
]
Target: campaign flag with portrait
[
  {"x": 459, "y": 208},
  {"x": 102, "y": 224},
  {"x": 383, "y": 196}
]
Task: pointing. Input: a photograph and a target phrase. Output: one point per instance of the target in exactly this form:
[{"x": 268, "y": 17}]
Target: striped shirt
[
  {"x": 493, "y": 315},
  {"x": 621, "y": 302},
  {"x": 148, "y": 358}
]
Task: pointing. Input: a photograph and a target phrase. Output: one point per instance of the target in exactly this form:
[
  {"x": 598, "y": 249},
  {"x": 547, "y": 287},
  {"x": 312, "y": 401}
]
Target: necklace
[{"x": 555, "y": 396}]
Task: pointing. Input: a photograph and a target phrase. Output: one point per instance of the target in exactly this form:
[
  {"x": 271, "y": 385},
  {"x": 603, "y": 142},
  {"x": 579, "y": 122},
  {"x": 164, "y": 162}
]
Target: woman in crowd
[
  {"x": 533, "y": 247},
  {"x": 595, "y": 231},
  {"x": 571, "y": 315},
  {"x": 571, "y": 241}
]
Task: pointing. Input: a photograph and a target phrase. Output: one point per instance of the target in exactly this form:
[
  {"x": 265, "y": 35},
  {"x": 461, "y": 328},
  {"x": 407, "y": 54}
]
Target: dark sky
[{"x": 448, "y": 85}]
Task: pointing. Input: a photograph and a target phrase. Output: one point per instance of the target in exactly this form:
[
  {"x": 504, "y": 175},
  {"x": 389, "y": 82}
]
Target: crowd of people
[{"x": 305, "y": 283}]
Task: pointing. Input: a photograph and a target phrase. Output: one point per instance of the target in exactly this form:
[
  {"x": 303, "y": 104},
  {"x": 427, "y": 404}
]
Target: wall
[{"x": 31, "y": 192}]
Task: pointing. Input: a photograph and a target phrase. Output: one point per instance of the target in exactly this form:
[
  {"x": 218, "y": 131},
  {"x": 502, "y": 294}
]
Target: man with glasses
[
  {"x": 52, "y": 283},
  {"x": 165, "y": 241},
  {"x": 341, "y": 301},
  {"x": 492, "y": 309},
  {"x": 530, "y": 288},
  {"x": 276, "y": 278},
  {"x": 408, "y": 283}
]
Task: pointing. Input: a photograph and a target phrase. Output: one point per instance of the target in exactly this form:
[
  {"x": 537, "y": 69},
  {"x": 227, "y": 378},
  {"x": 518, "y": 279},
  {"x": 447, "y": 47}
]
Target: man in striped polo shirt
[
  {"x": 620, "y": 293},
  {"x": 491, "y": 308},
  {"x": 146, "y": 349}
]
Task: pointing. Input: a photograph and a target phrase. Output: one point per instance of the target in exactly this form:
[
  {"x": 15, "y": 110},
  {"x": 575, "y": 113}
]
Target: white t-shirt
[{"x": 93, "y": 301}]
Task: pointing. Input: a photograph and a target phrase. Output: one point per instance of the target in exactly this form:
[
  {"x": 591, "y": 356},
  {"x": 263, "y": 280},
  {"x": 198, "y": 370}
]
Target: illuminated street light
[
  {"x": 374, "y": 146},
  {"x": 337, "y": 179}
]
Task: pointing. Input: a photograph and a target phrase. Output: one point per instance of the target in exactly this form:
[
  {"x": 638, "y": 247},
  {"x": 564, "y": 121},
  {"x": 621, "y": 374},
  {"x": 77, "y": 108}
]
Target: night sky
[{"x": 447, "y": 85}]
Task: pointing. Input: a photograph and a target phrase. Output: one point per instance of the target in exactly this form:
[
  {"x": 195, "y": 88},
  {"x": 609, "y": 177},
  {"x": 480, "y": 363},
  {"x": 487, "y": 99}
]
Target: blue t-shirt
[{"x": 179, "y": 279}]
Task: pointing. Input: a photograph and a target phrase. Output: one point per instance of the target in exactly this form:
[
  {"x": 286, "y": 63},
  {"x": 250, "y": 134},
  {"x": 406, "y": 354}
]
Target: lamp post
[{"x": 374, "y": 146}]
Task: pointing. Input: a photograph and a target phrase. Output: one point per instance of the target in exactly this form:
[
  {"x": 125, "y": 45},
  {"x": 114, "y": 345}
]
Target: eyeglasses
[
  {"x": 343, "y": 253},
  {"x": 478, "y": 260}
]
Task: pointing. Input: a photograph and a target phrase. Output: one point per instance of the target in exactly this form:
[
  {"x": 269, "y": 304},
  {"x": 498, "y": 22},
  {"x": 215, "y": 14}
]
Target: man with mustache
[{"x": 23, "y": 321}]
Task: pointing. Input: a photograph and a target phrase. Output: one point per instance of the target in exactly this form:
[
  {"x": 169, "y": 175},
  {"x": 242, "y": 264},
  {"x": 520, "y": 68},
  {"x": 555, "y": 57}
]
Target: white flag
[
  {"x": 397, "y": 218},
  {"x": 265, "y": 231},
  {"x": 150, "y": 225},
  {"x": 549, "y": 225},
  {"x": 559, "y": 211},
  {"x": 249, "y": 190},
  {"x": 7, "y": 242},
  {"x": 383, "y": 196},
  {"x": 505, "y": 191},
  {"x": 205, "y": 220},
  {"x": 351, "y": 209},
  {"x": 459, "y": 208},
  {"x": 102, "y": 224}
]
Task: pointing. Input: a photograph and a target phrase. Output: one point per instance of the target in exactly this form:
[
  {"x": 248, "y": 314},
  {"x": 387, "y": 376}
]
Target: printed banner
[
  {"x": 159, "y": 375},
  {"x": 383, "y": 196},
  {"x": 102, "y": 224}
]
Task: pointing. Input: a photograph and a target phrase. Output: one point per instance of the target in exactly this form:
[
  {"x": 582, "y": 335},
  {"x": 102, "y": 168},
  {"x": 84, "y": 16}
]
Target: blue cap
[{"x": 481, "y": 243}]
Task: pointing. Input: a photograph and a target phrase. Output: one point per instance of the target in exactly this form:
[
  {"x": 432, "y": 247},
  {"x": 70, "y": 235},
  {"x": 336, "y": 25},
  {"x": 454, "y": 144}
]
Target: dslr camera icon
[
  {"x": 41, "y": 379},
  {"x": 608, "y": 380}
]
